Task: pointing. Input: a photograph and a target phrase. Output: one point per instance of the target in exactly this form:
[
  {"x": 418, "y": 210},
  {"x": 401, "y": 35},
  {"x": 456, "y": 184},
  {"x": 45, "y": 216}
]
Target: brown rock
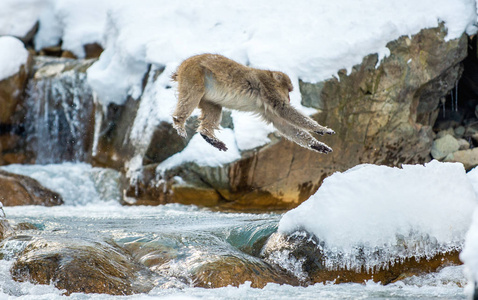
[
  {"x": 22, "y": 190},
  {"x": 93, "y": 50},
  {"x": 12, "y": 93},
  {"x": 235, "y": 271},
  {"x": 81, "y": 267},
  {"x": 469, "y": 158}
]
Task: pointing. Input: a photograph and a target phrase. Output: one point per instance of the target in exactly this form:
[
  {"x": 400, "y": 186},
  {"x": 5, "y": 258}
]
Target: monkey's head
[{"x": 285, "y": 85}]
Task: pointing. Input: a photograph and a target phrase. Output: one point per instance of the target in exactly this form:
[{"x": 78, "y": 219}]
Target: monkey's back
[{"x": 226, "y": 82}]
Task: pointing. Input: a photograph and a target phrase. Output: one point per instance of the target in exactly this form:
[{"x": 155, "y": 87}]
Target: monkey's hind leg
[
  {"x": 210, "y": 118},
  {"x": 301, "y": 137},
  {"x": 296, "y": 118},
  {"x": 190, "y": 94}
]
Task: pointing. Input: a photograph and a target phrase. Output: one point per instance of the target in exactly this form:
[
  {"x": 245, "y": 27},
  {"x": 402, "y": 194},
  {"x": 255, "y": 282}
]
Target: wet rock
[
  {"x": 81, "y": 267},
  {"x": 59, "y": 123},
  {"x": 303, "y": 256},
  {"x": 22, "y": 190},
  {"x": 469, "y": 158},
  {"x": 5, "y": 228},
  {"x": 235, "y": 271},
  {"x": 443, "y": 146}
]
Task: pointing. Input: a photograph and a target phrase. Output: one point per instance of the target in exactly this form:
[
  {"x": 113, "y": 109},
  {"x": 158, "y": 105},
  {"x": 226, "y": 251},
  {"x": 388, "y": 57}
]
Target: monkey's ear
[{"x": 277, "y": 76}]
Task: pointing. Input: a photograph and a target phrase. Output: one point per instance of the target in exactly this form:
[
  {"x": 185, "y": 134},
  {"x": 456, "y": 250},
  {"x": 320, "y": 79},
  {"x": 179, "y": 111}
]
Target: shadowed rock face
[{"x": 22, "y": 190}]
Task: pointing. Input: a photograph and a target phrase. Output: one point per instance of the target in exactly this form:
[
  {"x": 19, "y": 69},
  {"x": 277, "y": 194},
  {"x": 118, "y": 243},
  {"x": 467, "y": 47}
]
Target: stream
[{"x": 189, "y": 236}]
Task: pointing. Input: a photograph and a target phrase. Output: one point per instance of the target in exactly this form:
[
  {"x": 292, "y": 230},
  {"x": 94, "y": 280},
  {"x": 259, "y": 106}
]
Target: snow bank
[
  {"x": 17, "y": 17},
  {"x": 12, "y": 56},
  {"x": 414, "y": 211},
  {"x": 469, "y": 255}
]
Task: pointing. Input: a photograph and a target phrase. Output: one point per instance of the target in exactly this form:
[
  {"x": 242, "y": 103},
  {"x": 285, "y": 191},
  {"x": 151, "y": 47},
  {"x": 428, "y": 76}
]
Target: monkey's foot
[
  {"x": 322, "y": 148},
  {"x": 181, "y": 130},
  {"x": 215, "y": 142},
  {"x": 326, "y": 130}
]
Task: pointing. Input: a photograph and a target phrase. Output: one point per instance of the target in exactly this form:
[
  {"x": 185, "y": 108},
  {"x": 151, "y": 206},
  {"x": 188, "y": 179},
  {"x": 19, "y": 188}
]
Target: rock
[
  {"x": 444, "y": 146},
  {"x": 469, "y": 158},
  {"x": 12, "y": 93},
  {"x": 80, "y": 266},
  {"x": 464, "y": 144},
  {"x": 23, "y": 190},
  {"x": 93, "y": 50},
  {"x": 459, "y": 131},
  {"x": 442, "y": 133},
  {"x": 302, "y": 255},
  {"x": 234, "y": 271}
]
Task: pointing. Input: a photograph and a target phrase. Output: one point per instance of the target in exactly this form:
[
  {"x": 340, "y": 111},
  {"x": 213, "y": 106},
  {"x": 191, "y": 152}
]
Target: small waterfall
[{"x": 60, "y": 113}]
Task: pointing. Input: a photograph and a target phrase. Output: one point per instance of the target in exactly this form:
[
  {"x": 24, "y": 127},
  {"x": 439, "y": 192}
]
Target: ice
[
  {"x": 12, "y": 56},
  {"x": 419, "y": 210}
]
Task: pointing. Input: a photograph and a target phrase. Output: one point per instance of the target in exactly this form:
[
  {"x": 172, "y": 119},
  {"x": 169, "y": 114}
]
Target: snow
[
  {"x": 469, "y": 255},
  {"x": 12, "y": 56},
  {"x": 203, "y": 154},
  {"x": 372, "y": 207}
]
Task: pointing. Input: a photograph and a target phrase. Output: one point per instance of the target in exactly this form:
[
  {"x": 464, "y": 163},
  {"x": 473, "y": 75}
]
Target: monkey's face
[{"x": 285, "y": 85}]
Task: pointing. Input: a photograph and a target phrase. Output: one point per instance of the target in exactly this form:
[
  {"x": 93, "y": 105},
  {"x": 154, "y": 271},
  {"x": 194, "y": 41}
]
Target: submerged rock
[
  {"x": 234, "y": 271},
  {"x": 22, "y": 190},
  {"x": 81, "y": 267}
]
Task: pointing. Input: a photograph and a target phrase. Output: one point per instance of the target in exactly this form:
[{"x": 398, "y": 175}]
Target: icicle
[
  {"x": 452, "y": 101},
  {"x": 443, "y": 102},
  {"x": 456, "y": 95}
]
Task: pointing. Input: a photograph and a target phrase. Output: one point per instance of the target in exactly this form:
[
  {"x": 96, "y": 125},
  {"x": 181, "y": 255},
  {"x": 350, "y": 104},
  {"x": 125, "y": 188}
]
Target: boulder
[
  {"x": 469, "y": 158},
  {"x": 231, "y": 270},
  {"x": 22, "y": 190},
  {"x": 80, "y": 266},
  {"x": 302, "y": 255},
  {"x": 443, "y": 146}
]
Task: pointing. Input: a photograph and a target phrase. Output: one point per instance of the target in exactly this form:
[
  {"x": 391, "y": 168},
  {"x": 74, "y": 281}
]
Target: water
[
  {"x": 60, "y": 110},
  {"x": 191, "y": 236}
]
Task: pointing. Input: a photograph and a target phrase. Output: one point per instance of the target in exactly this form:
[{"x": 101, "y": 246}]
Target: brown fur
[{"x": 210, "y": 82}]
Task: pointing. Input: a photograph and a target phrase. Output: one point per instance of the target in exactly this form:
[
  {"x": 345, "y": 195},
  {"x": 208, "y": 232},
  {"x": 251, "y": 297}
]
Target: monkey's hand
[
  {"x": 325, "y": 131},
  {"x": 321, "y": 147},
  {"x": 215, "y": 142}
]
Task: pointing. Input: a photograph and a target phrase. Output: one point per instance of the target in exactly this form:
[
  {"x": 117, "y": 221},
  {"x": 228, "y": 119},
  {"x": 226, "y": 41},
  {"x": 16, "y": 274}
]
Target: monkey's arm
[
  {"x": 299, "y": 136},
  {"x": 210, "y": 118}
]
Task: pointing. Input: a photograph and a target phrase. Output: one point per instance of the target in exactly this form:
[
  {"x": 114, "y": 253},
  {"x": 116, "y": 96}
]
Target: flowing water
[{"x": 189, "y": 234}]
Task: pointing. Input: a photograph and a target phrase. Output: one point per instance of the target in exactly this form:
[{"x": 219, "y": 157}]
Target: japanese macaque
[{"x": 211, "y": 82}]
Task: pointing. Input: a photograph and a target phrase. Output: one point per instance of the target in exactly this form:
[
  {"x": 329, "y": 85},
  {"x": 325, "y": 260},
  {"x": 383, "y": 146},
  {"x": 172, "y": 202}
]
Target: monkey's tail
[{"x": 174, "y": 76}]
